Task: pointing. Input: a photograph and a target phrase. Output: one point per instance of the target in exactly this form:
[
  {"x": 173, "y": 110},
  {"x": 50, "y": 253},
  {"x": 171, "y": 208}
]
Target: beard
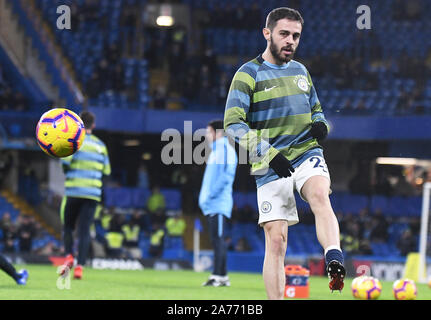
[{"x": 279, "y": 56}]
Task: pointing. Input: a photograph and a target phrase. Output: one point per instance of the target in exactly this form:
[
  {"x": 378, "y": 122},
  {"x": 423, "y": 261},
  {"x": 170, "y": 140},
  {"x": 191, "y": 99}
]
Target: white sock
[{"x": 332, "y": 247}]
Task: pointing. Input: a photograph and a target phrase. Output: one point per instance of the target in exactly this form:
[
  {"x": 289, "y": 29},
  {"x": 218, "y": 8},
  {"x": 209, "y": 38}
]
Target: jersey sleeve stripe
[{"x": 238, "y": 99}]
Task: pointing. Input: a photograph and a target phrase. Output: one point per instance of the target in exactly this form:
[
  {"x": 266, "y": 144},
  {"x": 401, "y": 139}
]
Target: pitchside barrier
[{"x": 381, "y": 268}]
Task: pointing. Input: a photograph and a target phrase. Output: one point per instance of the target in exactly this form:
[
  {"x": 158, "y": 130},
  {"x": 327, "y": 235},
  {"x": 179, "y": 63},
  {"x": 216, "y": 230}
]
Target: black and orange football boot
[{"x": 336, "y": 273}]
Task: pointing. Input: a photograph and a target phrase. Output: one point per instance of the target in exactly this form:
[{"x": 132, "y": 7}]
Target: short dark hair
[
  {"x": 282, "y": 13},
  {"x": 216, "y": 124},
  {"x": 88, "y": 118}
]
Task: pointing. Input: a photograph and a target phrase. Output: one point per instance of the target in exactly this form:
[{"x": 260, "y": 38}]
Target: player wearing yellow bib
[
  {"x": 84, "y": 171},
  {"x": 273, "y": 111}
]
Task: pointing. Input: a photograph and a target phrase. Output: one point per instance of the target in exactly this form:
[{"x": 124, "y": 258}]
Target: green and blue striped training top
[
  {"x": 270, "y": 109},
  {"x": 85, "y": 168}
]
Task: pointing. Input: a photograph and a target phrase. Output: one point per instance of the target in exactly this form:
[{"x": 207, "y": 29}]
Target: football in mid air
[{"x": 60, "y": 132}]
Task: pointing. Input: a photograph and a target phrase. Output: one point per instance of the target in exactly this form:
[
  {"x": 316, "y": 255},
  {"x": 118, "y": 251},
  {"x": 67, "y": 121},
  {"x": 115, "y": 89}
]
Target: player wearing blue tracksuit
[{"x": 215, "y": 198}]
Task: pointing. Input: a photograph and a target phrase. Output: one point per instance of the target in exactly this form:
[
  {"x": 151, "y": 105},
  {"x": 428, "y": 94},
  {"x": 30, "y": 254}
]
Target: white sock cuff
[{"x": 331, "y": 248}]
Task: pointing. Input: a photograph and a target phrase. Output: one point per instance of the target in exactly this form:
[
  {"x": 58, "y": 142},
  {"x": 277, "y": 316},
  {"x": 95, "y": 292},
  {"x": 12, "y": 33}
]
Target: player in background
[
  {"x": 85, "y": 171},
  {"x": 19, "y": 277},
  {"x": 215, "y": 198},
  {"x": 273, "y": 111}
]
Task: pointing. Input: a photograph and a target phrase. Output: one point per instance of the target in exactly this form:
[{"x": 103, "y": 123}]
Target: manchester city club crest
[
  {"x": 266, "y": 207},
  {"x": 302, "y": 82}
]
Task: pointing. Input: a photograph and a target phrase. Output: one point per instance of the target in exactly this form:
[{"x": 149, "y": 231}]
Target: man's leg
[
  {"x": 213, "y": 227},
  {"x": 20, "y": 277},
  {"x": 9, "y": 268},
  {"x": 316, "y": 192},
  {"x": 69, "y": 216},
  {"x": 220, "y": 249},
  {"x": 277, "y": 210},
  {"x": 223, "y": 249},
  {"x": 86, "y": 218},
  {"x": 213, "y": 230},
  {"x": 275, "y": 252}
]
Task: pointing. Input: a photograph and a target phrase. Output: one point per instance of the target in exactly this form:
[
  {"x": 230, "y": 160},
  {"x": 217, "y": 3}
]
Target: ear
[{"x": 266, "y": 33}]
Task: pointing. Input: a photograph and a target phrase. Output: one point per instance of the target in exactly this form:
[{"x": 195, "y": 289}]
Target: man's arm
[
  {"x": 106, "y": 172},
  {"x": 319, "y": 126},
  {"x": 235, "y": 123},
  {"x": 107, "y": 164}
]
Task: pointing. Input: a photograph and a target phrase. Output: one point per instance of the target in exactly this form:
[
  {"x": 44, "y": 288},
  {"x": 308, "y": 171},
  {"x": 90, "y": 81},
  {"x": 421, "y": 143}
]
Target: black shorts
[{"x": 74, "y": 209}]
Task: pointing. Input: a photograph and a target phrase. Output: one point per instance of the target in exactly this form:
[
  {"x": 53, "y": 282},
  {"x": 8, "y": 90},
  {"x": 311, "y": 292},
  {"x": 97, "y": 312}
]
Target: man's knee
[
  {"x": 318, "y": 196},
  {"x": 276, "y": 235},
  {"x": 316, "y": 190}
]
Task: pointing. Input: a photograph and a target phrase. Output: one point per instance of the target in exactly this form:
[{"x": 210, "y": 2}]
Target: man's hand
[
  {"x": 319, "y": 130},
  {"x": 281, "y": 166}
]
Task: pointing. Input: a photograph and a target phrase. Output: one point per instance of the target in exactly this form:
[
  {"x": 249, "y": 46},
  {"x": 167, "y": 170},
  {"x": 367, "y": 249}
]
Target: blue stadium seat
[
  {"x": 140, "y": 197},
  {"x": 175, "y": 254},
  {"x": 173, "y": 243},
  {"x": 173, "y": 198}
]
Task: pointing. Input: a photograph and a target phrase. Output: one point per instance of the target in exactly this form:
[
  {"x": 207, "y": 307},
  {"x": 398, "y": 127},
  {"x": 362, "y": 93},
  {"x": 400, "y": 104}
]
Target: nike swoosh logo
[
  {"x": 268, "y": 89},
  {"x": 66, "y": 126}
]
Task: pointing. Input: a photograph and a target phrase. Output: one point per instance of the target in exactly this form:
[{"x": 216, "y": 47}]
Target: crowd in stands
[
  {"x": 358, "y": 233},
  {"x": 109, "y": 39},
  {"x": 25, "y": 235},
  {"x": 109, "y": 74},
  {"x": 202, "y": 79}
]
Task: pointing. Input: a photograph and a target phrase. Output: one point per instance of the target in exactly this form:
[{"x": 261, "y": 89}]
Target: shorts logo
[{"x": 266, "y": 207}]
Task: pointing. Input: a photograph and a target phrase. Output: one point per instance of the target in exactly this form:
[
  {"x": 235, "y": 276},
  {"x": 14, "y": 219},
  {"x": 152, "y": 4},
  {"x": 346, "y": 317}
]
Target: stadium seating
[
  {"x": 6, "y": 206},
  {"x": 40, "y": 44},
  {"x": 339, "y": 36},
  {"x": 86, "y": 47},
  {"x": 302, "y": 237},
  {"x": 137, "y": 197}
]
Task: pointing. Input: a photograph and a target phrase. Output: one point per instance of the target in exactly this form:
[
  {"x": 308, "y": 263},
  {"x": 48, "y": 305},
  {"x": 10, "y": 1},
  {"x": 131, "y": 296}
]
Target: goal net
[{"x": 424, "y": 238}]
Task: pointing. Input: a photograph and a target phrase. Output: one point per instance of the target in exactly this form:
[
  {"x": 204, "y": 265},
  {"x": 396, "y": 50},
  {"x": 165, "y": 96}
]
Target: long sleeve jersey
[
  {"x": 269, "y": 110},
  {"x": 85, "y": 168}
]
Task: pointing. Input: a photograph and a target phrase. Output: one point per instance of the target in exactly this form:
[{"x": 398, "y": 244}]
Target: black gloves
[
  {"x": 319, "y": 130},
  {"x": 281, "y": 166}
]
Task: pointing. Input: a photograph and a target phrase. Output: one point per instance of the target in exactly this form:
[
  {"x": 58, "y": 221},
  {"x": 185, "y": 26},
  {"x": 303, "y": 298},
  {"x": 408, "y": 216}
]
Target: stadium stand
[
  {"x": 303, "y": 236},
  {"x": 14, "y": 208},
  {"x": 109, "y": 78},
  {"x": 368, "y": 79}
]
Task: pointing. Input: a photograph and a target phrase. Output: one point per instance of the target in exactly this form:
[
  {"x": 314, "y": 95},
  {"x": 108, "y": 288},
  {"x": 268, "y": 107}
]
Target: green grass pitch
[{"x": 161, "y": 285}]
